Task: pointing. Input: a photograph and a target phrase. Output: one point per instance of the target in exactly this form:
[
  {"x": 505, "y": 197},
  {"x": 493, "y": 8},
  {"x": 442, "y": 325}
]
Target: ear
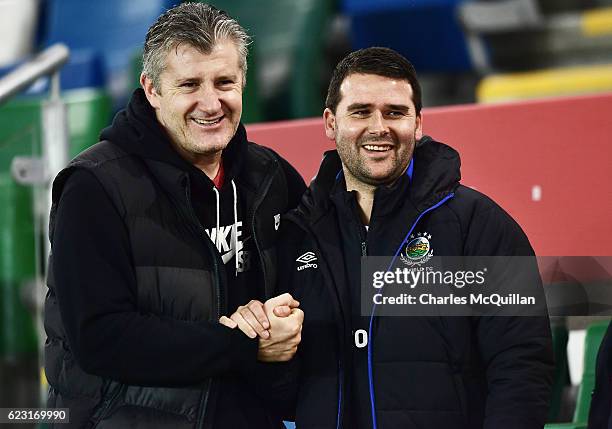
[
  {"x": 418, "y": 131},
  {"x": 330, "y": 124},
  {"x": 150, "y": 91}
]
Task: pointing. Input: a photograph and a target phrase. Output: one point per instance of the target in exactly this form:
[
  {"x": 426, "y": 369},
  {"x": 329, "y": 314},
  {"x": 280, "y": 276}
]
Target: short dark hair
[{"x": 379, "y": 61}]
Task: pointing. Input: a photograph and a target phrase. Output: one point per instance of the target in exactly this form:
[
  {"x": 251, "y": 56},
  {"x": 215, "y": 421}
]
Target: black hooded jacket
[
  {"x": 416, "y": 372},
  {"x": 141, "y": 269}
]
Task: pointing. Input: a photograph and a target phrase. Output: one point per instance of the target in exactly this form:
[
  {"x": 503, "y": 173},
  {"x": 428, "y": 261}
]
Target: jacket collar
[{"x": 435, "y": 173}]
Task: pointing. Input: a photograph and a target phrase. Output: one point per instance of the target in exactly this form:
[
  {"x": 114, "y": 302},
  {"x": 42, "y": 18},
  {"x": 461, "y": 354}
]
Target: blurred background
[{"x": 465, "y": 51}]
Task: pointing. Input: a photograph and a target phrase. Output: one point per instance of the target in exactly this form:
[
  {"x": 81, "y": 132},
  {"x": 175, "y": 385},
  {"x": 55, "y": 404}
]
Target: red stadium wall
[{"x": 563, "y": 146}]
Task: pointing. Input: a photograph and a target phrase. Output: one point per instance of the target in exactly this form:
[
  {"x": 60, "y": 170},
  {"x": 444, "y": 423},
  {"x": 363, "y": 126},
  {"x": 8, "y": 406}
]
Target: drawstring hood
[
  {"x": 137, "y": 131},
  {"x": 167, "y": 285},
  {"x": 433, "y": 173},
  {"x": 217, "y": 198},
  {"x": 235, "y": 226}
]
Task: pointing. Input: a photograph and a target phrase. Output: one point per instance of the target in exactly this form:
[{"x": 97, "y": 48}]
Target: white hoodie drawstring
[
  {"x": 235, "y": 226},
  {"x": 218, "y": 232}
]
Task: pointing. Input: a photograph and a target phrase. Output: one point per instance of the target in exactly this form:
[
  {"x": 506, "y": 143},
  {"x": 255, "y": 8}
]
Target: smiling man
[
  {"x": 162, "y": 230},
  {"x": 389, "y": 190}
]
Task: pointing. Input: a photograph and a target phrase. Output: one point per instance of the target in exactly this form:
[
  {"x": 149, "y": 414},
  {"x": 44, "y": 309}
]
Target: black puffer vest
[{"x": 179, "y": 275}]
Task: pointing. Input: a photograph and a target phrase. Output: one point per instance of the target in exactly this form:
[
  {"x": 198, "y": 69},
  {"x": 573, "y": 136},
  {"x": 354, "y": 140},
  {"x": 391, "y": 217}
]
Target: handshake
[{"x": 277, "y": 322}]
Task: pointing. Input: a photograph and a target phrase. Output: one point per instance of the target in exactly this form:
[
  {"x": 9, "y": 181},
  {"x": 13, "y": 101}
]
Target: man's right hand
[
  {"x": 285, "y": 331},
  {"x": 252, "y": 319}
]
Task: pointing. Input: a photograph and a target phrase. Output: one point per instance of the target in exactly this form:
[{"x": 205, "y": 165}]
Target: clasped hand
[{"x": 277, "y": 322}]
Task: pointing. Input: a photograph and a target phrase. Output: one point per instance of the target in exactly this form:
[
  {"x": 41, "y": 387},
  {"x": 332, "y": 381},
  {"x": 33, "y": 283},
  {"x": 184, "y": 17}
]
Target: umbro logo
[{"x": 307, "y": 259}]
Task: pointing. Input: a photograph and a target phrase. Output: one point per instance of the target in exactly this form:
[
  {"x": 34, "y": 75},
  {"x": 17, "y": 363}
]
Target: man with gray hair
[{"x": 164, "y": 250}]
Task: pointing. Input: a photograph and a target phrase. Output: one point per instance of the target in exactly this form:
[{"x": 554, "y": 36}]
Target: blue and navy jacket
[{"x": 416, "y": 372}]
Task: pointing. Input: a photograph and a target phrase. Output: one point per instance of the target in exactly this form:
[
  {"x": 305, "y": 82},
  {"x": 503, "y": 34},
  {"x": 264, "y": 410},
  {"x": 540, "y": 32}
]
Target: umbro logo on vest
[{"x": 308, "y": 259}]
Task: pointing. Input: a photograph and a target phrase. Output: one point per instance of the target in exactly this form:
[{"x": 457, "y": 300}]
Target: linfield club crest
[{"x": 418, "y": 250}]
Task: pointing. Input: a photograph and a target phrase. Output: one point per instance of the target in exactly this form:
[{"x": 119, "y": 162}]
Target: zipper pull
[{"x": 364, "y": 248}]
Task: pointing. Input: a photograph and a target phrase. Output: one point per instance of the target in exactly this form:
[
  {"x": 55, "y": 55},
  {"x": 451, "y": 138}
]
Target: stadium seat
[
  {"x": 556, "y": 82},
  {"x": 19, "y": 130},
  {"x": 427, "y": 32},
  {"x": 530, "y": 49},
  {"x": 18, "y": 333},
  {"x": 20, "y": 135},
  {"x": 17, "y": 267},
  {"x": 89, "y": 110},
  {"x": 85, "y": 69},
  {"x": 287, "y": 50},
  {"x": 252, "y": 105},
  {"x": 112, "y": 28},
  {"x": 515, "y": 35},
  {"x": 594, "y": 335},
  {"x": 18, "y": 20},
  {"x": 561, "y": 378}
]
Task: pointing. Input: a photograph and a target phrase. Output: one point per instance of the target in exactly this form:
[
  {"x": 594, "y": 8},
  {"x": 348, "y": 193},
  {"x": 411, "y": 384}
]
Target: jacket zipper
[
  {"x": 256, "y": 205},
  {"x": 370, "y": 336},
  {"x": 340, "y": 389},
  {"x": 364, "y": 252},
  {"x": 303, "y": 226},
  {"x": 120, "y": 387},
  {"x": 202, "y": 234}
]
